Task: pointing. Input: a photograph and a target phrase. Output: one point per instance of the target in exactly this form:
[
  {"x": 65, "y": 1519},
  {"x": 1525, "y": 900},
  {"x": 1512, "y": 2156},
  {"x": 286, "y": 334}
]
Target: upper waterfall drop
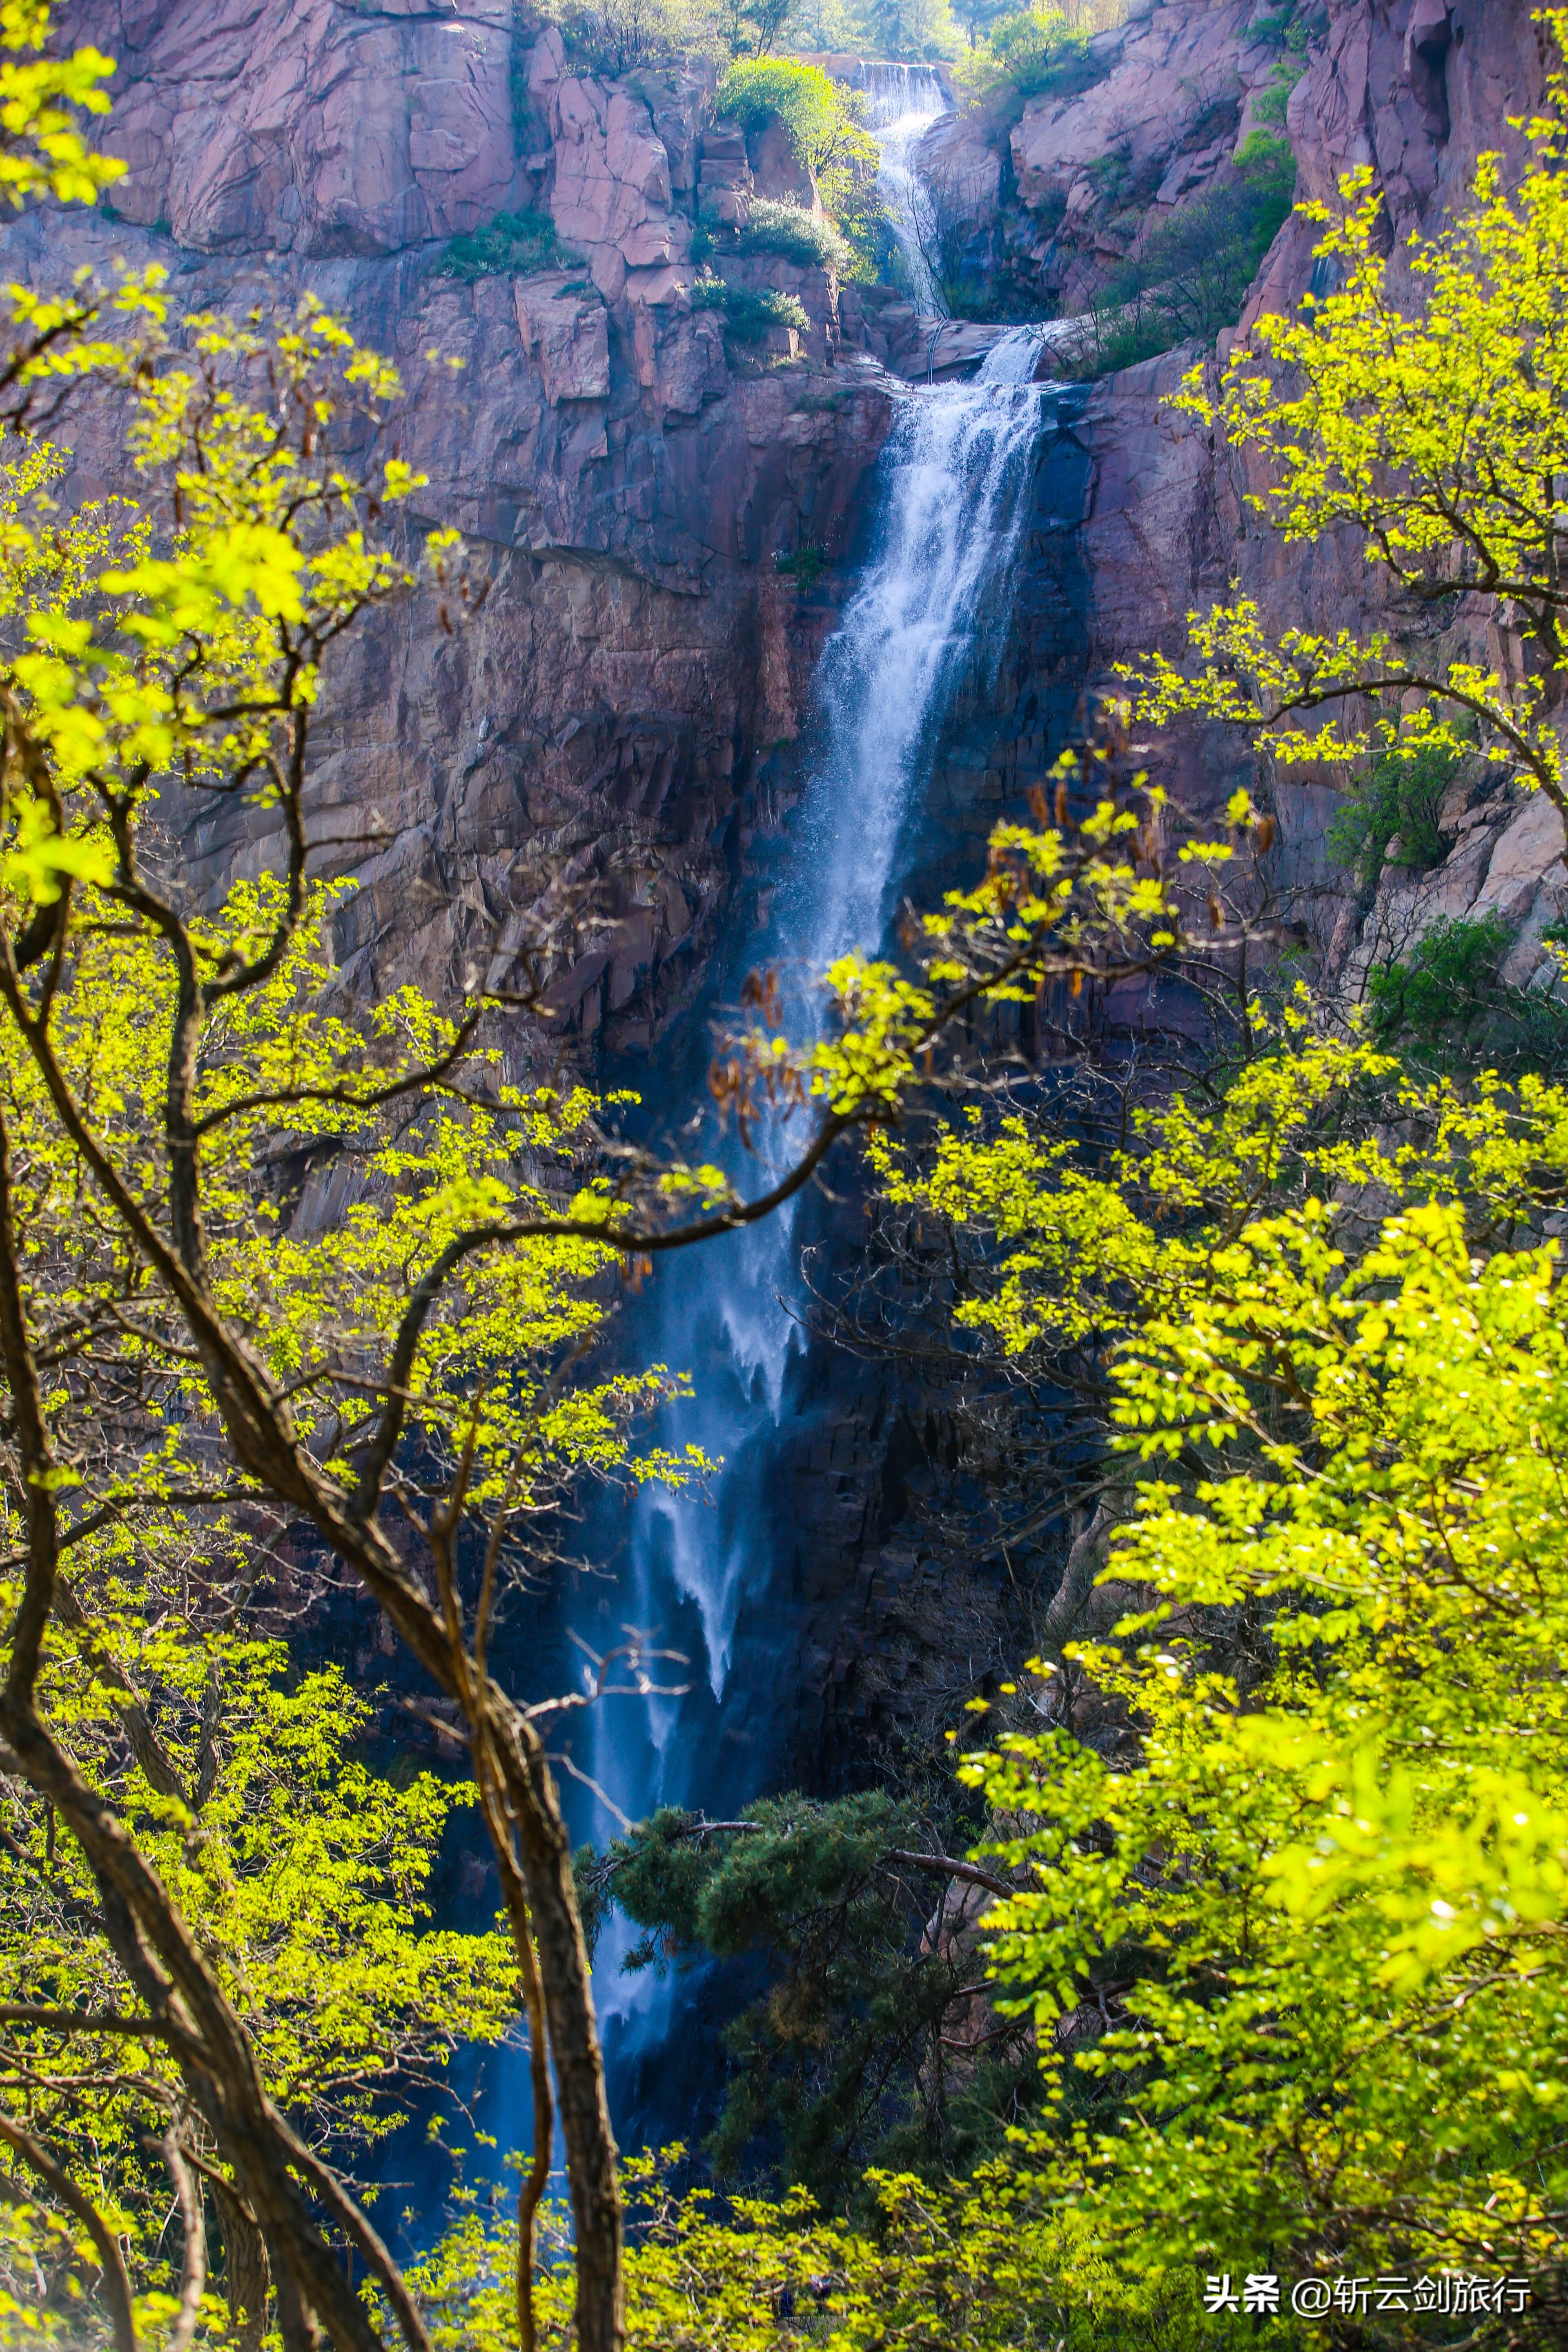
[
  {"x": 896, "y": 91},
  {"x": 1014, "y": 358},
  {"x": 901, "y": 104}
]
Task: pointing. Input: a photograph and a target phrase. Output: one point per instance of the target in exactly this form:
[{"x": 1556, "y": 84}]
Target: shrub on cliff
[
  {"x": 799, "y": 236},
  {"x": 1391, "y": 812},
  {"x": 1440, "y": 998},
  {"x": 1191, "y": 273},
  {"x": 1028, "y": 54},
  {"x": 748, "y": 317},
  {"x": 823, "y": 120},
  {"x": 513, "y": 245}
]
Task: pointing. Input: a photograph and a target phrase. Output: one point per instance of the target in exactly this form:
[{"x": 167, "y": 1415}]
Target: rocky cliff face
[
  {"x": 626, "y": 480},
  {"x": 630, "y": 479},
  {"x": 1053, "y": 198},
  {"x": 1415, "y": 91}
]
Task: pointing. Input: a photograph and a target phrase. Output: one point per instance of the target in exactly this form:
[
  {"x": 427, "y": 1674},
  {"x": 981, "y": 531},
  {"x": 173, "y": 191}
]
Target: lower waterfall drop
[{"x": 929, "y": 615}]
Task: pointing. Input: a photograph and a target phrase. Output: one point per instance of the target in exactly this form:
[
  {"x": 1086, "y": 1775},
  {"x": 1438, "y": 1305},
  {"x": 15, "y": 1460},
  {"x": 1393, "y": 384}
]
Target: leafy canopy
[
  {"x": 821, "y": 118},
  {"x": 209, "y": 1364},
  {"x": 1030, "y": 52},
  {"x": 306, "y": 1870}
]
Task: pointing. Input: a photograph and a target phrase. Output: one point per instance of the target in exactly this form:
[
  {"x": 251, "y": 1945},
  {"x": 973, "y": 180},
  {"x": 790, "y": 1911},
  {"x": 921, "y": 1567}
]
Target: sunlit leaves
[
  {"x": 195, "y": 652},
  {"x": 1337, "y": 1892},
  {"x": 42, "y": 149},
  {"x": 1422, "y": 407}
]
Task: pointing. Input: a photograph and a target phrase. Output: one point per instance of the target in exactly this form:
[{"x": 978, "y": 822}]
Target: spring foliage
[
  {"x": 1028, "y": 53},
  {"x": 959, "y": 2268},
  {"x": 821, "y": 118},
  {"x": 201, "y": 1848},
  {"x": 1294, "y": 1948},
  {"x": 1328, "y": 1899},
  {"x": 1421, "y": 407}
]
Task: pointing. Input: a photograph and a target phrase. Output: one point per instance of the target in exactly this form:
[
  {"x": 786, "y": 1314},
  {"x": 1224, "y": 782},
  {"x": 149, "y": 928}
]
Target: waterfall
[
  {"x": 893, "y": 92},
  {"x": 902, "y": 102},
  {"x": 928, "y": 614}
]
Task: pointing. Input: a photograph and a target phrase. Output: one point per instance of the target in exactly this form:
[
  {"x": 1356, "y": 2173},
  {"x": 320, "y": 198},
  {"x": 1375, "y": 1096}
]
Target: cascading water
[
  {"x": 953, "y": 482},
  {"x": 901, "y": 104},
  {"x": 895, "y": 91}
]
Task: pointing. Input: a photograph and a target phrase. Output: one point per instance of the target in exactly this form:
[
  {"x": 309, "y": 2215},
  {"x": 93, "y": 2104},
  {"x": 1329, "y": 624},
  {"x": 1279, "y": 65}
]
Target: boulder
[
  {"x": 778, "y": 171},
  {"x": 957, "y": 161},
  {"x": 567, "y": 338}
]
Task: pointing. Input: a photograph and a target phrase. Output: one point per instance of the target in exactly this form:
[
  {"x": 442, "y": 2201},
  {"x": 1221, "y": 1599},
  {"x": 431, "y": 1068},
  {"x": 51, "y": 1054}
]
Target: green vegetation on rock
[
  {"x": 822, "y": 119},
  {"x": 1190, "y": 273},
  {"x": 749, "y": 316},
  {"x": 1391, "y": 812},
  {"x": 1029, "y": 53},
  {"x": 516, "y": 245},
  {"x": 799, "y": 236}
]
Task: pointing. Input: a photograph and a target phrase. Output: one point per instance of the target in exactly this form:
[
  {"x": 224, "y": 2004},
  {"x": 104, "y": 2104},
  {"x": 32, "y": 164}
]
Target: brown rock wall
[
  {"x": 1174, "y": 66},
  {"x": 1415, "y": 91}
]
